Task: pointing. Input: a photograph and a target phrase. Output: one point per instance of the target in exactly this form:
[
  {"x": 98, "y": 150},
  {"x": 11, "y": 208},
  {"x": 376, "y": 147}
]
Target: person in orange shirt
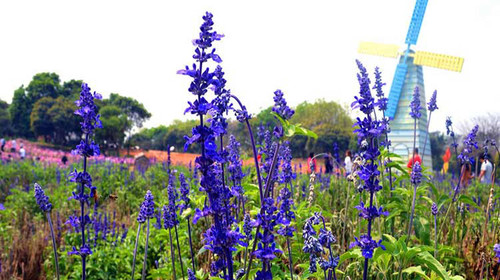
[{"x": 417, "y": 158}]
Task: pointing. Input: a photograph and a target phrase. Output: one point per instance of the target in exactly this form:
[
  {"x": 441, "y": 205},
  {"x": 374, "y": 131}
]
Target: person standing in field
[
  {"x": 22, "y": 152},
  {"x": 13, "y": 146},
  {"x": 348, "y": 162},
  {"x": 311, "y": 164},
  {"x": 2, "y": 143},
  {"x": 414, "y": 158},
  {"x": 486, "y": 170}
]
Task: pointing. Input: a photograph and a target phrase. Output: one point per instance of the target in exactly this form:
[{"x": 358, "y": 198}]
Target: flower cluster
[
  {"x": 317, "y": 246},
  {"x": 184, "y": 191},
  {"x": 496, "y": 249},
  {"x": 449, "y": 131},
  {"x": 267, "y": 219},
  {"x": 368, "y": 130},
  {"x": 147, "y": 210},
  {"x": 41, "y": 199},
  {"x": 434, "y": 209},
  {"x": 416, "y": 174},
  {"x": 431, "y": 106},
  {"x": 415, "y": 104},
  {"x": 470, "y": 144},
  {"x": 280, "y": 106},
  {"x": 382, "y": 100},
  {"x": 235, "y": 172},
  {"x": 170, "y": 212}
]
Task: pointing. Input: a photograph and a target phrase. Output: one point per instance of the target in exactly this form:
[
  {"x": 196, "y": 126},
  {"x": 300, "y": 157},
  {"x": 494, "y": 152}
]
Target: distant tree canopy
[
  {"x": 328, "y": 119},
  {"x": 5, "y": 123},
  {"x": 45, "y": 108}
]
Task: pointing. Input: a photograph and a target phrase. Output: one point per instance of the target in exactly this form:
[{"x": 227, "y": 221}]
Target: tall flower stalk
[
  {"x": 220, "y": 238},
  {"x": 368, "y": 130},
  {"x": 87, "y": 148},
  {"x": 415, "y": 179},
  {"x": 431, "y": 107},
  {"x": 43, "y": 202},
  {"x": 415, "y": 113},
  {"x": 434, "y": 211},
  {"x": 147, "y": 212}
]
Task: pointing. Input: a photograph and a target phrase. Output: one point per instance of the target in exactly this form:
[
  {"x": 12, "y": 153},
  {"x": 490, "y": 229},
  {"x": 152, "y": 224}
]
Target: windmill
[{"x": 409, "y": 74}]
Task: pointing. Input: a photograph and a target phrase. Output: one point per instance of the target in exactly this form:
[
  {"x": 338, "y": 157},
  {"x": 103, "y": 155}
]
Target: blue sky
[{"x": 305, "y": 48}]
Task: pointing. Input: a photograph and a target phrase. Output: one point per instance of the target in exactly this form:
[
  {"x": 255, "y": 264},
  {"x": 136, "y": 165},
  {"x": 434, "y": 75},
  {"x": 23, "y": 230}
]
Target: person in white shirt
[
  {"x": 348, "y": 162},
  {"x": 486, "y": 170},
  {"x": 22, "y": 153}
]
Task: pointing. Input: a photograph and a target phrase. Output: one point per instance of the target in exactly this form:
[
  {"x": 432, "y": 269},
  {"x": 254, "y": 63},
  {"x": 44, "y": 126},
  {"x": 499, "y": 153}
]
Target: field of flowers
[{"x": 219, "y": 219}]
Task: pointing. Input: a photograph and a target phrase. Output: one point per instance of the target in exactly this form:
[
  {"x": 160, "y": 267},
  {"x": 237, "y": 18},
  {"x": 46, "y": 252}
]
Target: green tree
[
  {"x": 134, "y": 110},
  {"x": 64, "y": 121},
  {"x": 72, "y": 88},
  {"x": 20, "y": 110},
  {"x": 40, "y": 121},
  {"x": 115, "y": 123},
  {"x": 43, "y": 85},
  {"x": 5, "y": 128},
  {"x": 175, "y": 135}
]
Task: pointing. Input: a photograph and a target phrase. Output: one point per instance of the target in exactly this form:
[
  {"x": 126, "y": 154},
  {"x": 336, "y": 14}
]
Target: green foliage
[
  {"x": 5, "y": 121},
  {"x": 20, "y": 110}
]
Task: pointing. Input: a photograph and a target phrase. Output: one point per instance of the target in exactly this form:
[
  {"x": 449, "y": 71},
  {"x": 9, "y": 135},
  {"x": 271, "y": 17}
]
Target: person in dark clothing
[
  {"x": 64, "y": 159},
  {"x": 328, "y": 165}
]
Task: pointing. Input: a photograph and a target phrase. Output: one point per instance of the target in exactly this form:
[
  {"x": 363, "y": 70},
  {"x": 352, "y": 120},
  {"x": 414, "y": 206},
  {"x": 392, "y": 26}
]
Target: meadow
[{"x": 96, "y": 218}]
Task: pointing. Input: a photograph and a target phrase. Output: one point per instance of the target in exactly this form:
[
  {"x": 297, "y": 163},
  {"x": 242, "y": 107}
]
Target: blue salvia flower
[
  {"x": 369, "y": 129},
  {"x": 247, "y": 226},
  {"x": 158, "y": 224},
  {"x": 496, "y": 249},
  {"x": 416, "y": 174},
  {"x": 415, "y": 104},
  {"x": 147, "y": 210},
  {"x": 449, "y": 131},
  {"x": 470, "y": 144},
  {"x": 415, "y": 179},
  {"x": 170, "y": 216},
  {"x": 191, "y": 275},
  {"x": 431, "y": 106},
  {"x": 434, "y": 209},
  {"x": 382, "y": 100},
  {"x": 267, "y": 219},
  {"x": 235, "y": 171},
  {"x": 87, "y": 148},
  {"x": 184, "y": 191},
  {"x": 41, "y": 199},
  {"x": 280, "y": 106}
]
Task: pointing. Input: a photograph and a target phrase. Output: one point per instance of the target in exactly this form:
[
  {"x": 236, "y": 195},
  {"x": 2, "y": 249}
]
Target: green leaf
[
  {"x": 467, "y": 200},
  {"x": 428, "y": 260},
  {"x": 416, "y": 270}
]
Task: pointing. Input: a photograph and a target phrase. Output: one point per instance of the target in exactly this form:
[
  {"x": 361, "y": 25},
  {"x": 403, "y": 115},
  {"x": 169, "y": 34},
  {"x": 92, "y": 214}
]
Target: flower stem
[
  {"x": 172, "y": 253},
  {"x": 54, "y": 245},
  {"x": 144, "y": 264},
  {"x": 290, "y": 256},
  {"x": 190, "y": 242},
  {"x": 435, "y": 237},
  {"x": 179, "y": 250},
  {"x": 135, "y": 250},
  {"x": 415, "y": 186}
]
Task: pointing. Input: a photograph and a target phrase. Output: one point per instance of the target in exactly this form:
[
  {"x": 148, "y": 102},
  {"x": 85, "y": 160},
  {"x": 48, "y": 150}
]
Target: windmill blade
[
  {"x": 416, "y": 22},
  {"x": 386, "y": 50},
  {"x": 442, "y": 61},
  {"x": 396, "y": 88}
]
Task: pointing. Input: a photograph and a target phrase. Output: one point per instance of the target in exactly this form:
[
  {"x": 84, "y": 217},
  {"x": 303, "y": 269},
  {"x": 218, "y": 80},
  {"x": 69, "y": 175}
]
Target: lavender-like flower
[
  {"x": 184, "y": 191},
  {"x": 415, "y": 104},
  {"x": 280, "y": 106},
  {"x": 496, "y": 249},
  {"x": 368, "y": 131},
  {"x": 41, "y": 199},
  {"x": 432, "y": 102},
  {"x": 382, "y": 100},
  {"x": 87, "y": 148},
  {"x": 470, "y": 144},
  {"x": 434, "y": 209},
  {"x": 235, "y": 172},
  {"x": 170, "y": 216},
  {"x": 147, "y": 210},
  {"x": 415, "y": 179},
  {"x": 191, "y": 275},
  {"x": 43, "y": 202}
]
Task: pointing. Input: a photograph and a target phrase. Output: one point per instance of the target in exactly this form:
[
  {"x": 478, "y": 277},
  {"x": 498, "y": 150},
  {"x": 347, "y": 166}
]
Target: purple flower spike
[
  {"x": 416, "y": 174},
  {"x": 415, "y": 104},
  {"x": 41, "y": 199},
  {"x": 496, "y": 249},
  {"x": 432, "y": 103},
  {"x": 147, "y": 208},
  {"x": 434, "y": 209}
]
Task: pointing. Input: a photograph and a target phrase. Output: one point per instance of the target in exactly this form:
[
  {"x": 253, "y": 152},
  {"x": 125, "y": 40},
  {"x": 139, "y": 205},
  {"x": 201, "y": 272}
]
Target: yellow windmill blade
[
  {"x": 442, "y": 61},
  {"x": 386, "y": 50}
]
